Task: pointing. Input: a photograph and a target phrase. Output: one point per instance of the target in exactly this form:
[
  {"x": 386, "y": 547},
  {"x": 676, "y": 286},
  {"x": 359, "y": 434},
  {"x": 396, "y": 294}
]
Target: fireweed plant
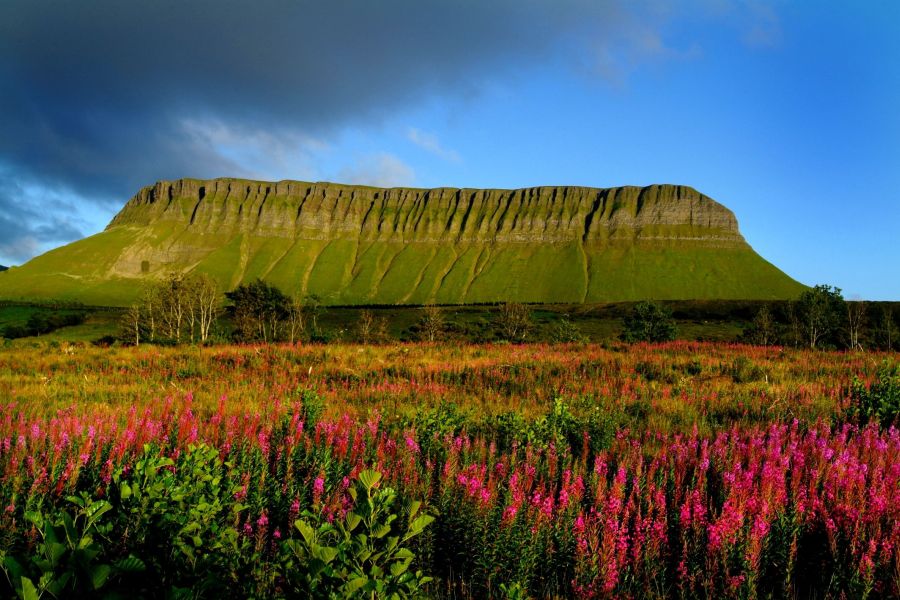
[{"x": 650, "y": 471}]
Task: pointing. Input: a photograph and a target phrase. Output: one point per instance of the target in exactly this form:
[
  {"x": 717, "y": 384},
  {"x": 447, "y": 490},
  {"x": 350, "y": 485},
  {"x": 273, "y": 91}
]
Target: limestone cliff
[
  {"x": 320, "y": 211},
  {"x": 356, "y": 244}
]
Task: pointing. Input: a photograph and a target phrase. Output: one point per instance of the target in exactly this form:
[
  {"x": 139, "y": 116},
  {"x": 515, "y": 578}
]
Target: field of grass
[{"x": 680, "y": 470}]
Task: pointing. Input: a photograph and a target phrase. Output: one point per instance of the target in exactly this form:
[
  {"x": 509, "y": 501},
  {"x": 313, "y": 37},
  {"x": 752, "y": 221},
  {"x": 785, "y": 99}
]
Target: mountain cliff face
[{"x": 356, "y": 245}]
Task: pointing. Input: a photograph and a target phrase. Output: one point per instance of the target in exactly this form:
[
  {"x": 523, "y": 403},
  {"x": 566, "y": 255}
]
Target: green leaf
[
  {"x": 69, "y": 526},
  {"x": 86, "y": 555},
  {"x": 413, "y": 508},
  {"x": 12, "y": 566},
  {"x": 381, "y": 531},
  {"x": 57, "y": 586},
  {"x": 35, "y": 518},
  {"x": 29, "y": 592},
  {"x": 324, "y": 553},
  {"x": 98, "y": 509},
  {"x": 131, "y": 564},
  {"x": 369, "y": 478},
  {"x": 55, "y": 551},
  {"x": 124, "y": 490},
  {"x": 399, "y": 568},
  {"x": 418, "y": 525},
  {"x": 99, "y": 575},
  {"x": 352, "y": 521},
  {"x": 79, "y": 502},
  {"x": 354, "y": 585},
  {"x": 308, "y": 533}
]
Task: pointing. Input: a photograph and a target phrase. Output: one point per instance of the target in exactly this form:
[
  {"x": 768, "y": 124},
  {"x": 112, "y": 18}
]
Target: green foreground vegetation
[{"x": 449, "y": 471}]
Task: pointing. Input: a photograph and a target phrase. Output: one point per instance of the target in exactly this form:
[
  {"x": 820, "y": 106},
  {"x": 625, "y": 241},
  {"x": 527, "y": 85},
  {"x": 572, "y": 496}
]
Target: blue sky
[{"x": 786, "y": 112}]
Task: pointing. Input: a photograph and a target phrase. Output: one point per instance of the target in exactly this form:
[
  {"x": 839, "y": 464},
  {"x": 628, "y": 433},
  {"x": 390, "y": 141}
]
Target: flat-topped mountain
[{"x": 363, "y": 245}]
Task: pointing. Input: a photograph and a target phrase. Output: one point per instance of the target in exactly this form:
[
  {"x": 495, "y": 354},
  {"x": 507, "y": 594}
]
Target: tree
[
  {"x": 371, "y": 329},
  {"x": 649, "y": 322},
  {"x": 762, "y": 329},
  {"x": 171, "y": 303},
  {"x": 260, "y": 311},
  {"x": 886, "y": 334},
  {"x": 432, "y": 323},
  {"x": 793, "y": 333},
  {"x": 296, "y": 319},
  {"x": 203, "y": 304},
  {"x": 856, "y": 320},
  {"x": 820, "y": 312},
  {"x": 565, "y": 331},
  {"x": 133, "y": 323},
  {"x": 514, "y": 321},
  {"x": 313, "y": 309},
  {"x": 365, "y": 327}
]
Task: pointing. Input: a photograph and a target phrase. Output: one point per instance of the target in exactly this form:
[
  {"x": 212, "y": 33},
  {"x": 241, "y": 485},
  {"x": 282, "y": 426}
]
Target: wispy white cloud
[
  {"x": 257, "y": 152},
  {"x": 642, "y": 32},
  {"x": 430, "y": 143},
  {"x": 380, "y": 170}
]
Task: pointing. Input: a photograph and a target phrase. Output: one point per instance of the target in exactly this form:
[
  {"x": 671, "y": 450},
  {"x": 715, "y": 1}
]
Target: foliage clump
[
  {"x": 879, "y": 401},
  {"x": 365, "y": 554},
  {"x": 649, "y": 322}
]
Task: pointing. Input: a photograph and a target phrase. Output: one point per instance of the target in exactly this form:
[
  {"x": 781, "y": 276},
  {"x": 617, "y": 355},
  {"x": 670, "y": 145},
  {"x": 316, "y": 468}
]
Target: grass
[
  {"x": 409, "y": 253},
  {"x": 344, "y": 271}
]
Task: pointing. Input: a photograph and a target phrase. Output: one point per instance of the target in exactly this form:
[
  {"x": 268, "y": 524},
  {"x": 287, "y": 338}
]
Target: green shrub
[
  {"x": 565, "y": 331},
  {"x": 879, "y": 401},
  {"x": 744, "y": 370},
  {"x": 67, "y": 560},
  {"x": 363, "y": 554},
  {"x": 649, "y": 322}
]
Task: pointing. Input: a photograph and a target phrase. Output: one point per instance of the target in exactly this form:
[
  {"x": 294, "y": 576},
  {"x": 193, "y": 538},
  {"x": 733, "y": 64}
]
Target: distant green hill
[{"x": 366, "y": 245}]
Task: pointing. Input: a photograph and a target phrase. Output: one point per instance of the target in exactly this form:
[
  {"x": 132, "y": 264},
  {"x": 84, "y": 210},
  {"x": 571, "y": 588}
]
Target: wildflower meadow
[{"x": 676, "y": 470}]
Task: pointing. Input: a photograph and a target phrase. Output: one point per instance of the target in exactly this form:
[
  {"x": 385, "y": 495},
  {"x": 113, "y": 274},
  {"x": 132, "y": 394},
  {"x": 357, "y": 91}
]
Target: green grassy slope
[{"x": 354, "y": 245}]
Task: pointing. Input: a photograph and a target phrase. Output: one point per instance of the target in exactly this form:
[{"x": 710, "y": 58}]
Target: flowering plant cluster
[{"x": 221, "y": 498}]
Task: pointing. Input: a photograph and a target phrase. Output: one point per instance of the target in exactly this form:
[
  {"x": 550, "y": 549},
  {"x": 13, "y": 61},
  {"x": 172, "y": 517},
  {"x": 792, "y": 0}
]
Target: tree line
[
  {"x": 186, "y": 308},
  {"x": 822, "y": 318}
]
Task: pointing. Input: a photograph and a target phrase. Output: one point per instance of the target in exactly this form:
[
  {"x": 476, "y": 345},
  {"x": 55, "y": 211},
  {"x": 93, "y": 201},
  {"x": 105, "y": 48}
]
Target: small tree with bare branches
[
  {"x": 514, "y": 321},
  {"x": 432, "y": 323}
]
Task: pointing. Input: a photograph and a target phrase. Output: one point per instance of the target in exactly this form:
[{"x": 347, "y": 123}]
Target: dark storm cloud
[
  {"x": 25, "y": 226},
  {"x": 96, "y": 94},
  {"x": 101, "y": 97}
]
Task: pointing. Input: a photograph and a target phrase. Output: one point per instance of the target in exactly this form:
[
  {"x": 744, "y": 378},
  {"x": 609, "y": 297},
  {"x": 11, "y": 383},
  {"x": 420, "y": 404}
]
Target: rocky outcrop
[
  {"x": 365, "y": 245},
  {"x": 321, "y": 211}
]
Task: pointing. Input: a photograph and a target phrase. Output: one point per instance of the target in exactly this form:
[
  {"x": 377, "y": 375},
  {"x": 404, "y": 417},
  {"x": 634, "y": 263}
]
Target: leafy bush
[
  {"x": 565, "y": 331},
  {"x": 365, "y": 553},
  {"x": 67, "y": 558},
  {"x": 176, "y": 518},
  {"x": 881, "y": 400},
  {"x": 313, "y": 407},
  {"x": 744, "y": 370},
  {"x": 649, "y": 322}
]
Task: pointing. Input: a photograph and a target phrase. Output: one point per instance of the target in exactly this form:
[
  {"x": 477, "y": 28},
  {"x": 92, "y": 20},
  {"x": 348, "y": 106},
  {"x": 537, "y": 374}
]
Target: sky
[{"x": 784, "y": 111}]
